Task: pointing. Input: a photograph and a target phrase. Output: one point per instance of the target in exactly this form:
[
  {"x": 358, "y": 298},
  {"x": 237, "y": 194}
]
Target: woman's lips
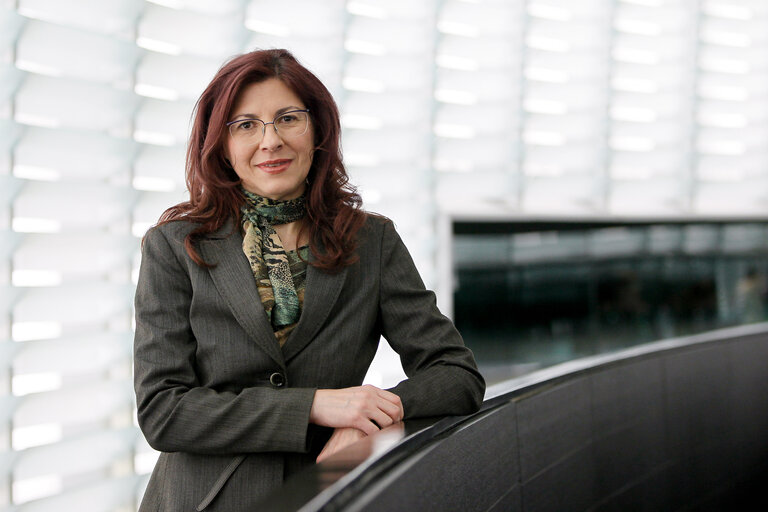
[{"x": 274, "y": 166}]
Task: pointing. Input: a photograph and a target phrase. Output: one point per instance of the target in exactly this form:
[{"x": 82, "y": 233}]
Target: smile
[{"x": 273, "y": 166}]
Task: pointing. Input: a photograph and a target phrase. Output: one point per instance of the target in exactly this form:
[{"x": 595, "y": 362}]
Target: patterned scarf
[{"x": 262, "y": 246}]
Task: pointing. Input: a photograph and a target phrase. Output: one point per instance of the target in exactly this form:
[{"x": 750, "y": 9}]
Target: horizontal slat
[
  {"x": 77, "y": 304},
  {"x": 497, "y": 85},
  {"x": 569, "y": 98},
  {"x": 85, "y": 453},
  {"x": 231, "y": 7},
  {"x": 396, "y": 73},
  {"x": 72, "y": 355},
  {"x": 487, "y": 19},
  {"x": 745, "y": 197},
  {"x": 562, "y": 194},
  {"x": 74, "y": 204},
  {"x": 414, "y": 36},
  {"x": 379, "y": 145},
  {"x": 484, "y": 119},
  {"x": 75, "y": 104},
  {"x": 302, "y": 18},
  {"x": 664, "y": 133},
  {"x": 161, "y": 162},
  {"x": 390, "y": 183},
  {"x": 170, "y": 118},
  {"x": 205, "y": 34},
  {"x": 63, "y": 151},
  {"x": 105, "y": 17},
  {"x": 483, "y": 52},
  {"x": 647, "y": 197},
  {"x": 577, "y": 157},
  {"x": 78, "y": 255},
  {"x": 392, "y": 109},
  {"x": 103, "y": 496},
  {"x": 393, "y": 9},
  {"x": 494, "y": 151},
  {"x": 72, "y": 405},
  {"x": 499, "y": 191},
  {"x": 76, "y": 53},
  {"x": 152, "y": 204},
  {"x": 670, "y": 17},
  {"x": 180, "y": 77}
]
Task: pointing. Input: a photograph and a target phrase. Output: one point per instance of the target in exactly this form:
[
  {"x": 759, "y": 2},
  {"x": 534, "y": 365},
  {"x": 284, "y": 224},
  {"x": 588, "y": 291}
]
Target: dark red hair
[{"x": 333, "y": 205}]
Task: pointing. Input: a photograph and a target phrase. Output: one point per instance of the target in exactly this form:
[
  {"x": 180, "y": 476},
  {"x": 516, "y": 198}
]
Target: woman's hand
[
  {"x": 366, "y": 408},
  {"x": 340, "y": 439}
]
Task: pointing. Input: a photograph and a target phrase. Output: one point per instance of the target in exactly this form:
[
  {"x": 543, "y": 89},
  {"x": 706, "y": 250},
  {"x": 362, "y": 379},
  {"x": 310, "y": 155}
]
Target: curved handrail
[{"x": 334, "y": 483}]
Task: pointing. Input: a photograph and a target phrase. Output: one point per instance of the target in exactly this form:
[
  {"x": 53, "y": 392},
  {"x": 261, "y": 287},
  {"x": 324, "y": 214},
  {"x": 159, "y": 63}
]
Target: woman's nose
[{"x": 271, "y": 138}]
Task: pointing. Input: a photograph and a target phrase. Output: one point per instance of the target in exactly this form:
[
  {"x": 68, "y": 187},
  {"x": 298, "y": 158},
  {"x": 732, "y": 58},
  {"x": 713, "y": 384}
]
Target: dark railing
[{"x": 674, "y": 425}]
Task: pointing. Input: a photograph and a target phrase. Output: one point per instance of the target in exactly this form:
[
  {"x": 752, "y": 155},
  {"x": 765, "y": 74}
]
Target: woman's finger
[
  {"x": 388, "y": 395},
  {"x": 381, "y": 418},
  {"x": 365, "y": 425},
  {"x": 394, "y": 400},
  {"x": 340, "y": 439},
  {"x": 395, "y": 412},
  {"x": 385, "y": 401}
]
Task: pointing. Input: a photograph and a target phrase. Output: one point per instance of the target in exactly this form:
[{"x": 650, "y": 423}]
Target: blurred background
[{"x": 571, "y": 177}]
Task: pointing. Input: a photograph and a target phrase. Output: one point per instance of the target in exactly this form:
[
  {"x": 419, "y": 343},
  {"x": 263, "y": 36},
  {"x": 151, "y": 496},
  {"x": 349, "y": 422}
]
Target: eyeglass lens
[{"x": 287, "y": 125}]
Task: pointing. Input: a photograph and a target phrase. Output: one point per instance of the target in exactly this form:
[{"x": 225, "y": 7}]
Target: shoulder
[
  {"x": 378, "y": 237},
  {"x": 179, "y": 230},
  {"x": 166, "y": 241},
  {"x": 172, "y": 230},
  {"x": 376, "y": 225},
  {"x": 168, "y": 235},
  {"x": 376, "y": 230}
]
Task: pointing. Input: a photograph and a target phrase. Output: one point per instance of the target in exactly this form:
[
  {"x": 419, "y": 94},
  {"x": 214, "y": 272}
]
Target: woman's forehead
[{"x": 265, "y": 98}]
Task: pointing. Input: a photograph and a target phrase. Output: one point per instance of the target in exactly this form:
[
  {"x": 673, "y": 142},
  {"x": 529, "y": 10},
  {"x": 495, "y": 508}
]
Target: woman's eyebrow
[
  {"x": 286, "y": 109},
  {"x": 277, "y": 113}
]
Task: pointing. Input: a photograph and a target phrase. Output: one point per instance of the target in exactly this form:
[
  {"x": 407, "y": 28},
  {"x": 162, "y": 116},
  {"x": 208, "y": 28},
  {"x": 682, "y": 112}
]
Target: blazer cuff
[{"x": 301, "y": 439}]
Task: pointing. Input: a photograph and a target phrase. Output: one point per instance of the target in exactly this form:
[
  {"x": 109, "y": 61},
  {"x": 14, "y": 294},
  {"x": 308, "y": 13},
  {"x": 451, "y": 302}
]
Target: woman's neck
[{"x": 289, "y": 234}]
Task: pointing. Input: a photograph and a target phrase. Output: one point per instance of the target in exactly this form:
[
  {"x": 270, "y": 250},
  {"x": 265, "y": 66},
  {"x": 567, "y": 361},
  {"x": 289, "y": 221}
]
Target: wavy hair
[{"x": 333, "y": 205}]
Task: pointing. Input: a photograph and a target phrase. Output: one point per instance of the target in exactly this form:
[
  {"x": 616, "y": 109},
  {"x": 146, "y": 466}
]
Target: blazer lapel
[
  {"x": 234, "y": 280},
  {"x": 321, "y": 291}
]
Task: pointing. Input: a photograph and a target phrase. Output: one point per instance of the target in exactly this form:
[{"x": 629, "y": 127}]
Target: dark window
[{"x": 530, "y": 295}]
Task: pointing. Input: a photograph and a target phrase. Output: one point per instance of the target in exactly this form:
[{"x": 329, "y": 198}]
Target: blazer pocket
[{"x": 219, "y": 483}]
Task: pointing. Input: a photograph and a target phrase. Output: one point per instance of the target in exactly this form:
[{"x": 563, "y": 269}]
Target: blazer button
[{"x": 277, "y": 379}]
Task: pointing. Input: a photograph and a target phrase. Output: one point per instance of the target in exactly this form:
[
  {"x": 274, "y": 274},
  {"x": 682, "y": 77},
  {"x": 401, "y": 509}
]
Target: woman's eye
[
  {"x": 288, "y": 118},
  {"x": 246, "y": 125}
]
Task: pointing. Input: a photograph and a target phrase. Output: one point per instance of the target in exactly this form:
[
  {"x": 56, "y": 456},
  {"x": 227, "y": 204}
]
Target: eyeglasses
[{"x": 288, "y": 125}]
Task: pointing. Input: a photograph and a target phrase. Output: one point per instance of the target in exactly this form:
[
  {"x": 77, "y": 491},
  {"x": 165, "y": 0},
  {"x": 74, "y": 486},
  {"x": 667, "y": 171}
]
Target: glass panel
[{"x": 533, "y": 296}]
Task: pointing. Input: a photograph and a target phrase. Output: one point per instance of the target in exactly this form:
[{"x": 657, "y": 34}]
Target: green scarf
[{"x": 262, "y": 246}]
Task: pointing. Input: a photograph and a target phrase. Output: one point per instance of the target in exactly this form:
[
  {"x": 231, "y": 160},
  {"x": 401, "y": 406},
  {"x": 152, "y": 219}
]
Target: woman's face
[{"x": 275, "y": 167}]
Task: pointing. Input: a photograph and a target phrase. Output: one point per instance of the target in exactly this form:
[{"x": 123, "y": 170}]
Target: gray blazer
[{"x": 227, "y": 407}]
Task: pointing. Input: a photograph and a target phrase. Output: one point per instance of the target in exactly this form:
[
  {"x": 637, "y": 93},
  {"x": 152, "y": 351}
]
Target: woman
[{"x": 261, "y": 302}]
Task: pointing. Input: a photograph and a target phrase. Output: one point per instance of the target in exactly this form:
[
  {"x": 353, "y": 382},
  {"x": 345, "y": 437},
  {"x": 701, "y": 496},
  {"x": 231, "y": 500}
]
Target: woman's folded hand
[
  {"x": 365, "y": 408},
  {"x": 340, "y": 439}
]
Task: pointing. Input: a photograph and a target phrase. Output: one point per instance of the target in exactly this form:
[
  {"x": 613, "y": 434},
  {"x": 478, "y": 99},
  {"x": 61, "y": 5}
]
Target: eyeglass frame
[{"x": 264, "y": 125}]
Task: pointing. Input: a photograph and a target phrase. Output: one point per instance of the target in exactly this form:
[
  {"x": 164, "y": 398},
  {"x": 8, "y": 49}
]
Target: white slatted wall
[{"x": 533, "y": 106}]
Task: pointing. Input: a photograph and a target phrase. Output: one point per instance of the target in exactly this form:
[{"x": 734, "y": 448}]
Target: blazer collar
[{"x": 235, "y": 283}]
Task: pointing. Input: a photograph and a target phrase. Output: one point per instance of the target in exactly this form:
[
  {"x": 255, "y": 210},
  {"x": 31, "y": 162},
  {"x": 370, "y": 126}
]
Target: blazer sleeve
[
  {"x": 443, "y": 378},
  {"x": 175, "y": 412}
]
